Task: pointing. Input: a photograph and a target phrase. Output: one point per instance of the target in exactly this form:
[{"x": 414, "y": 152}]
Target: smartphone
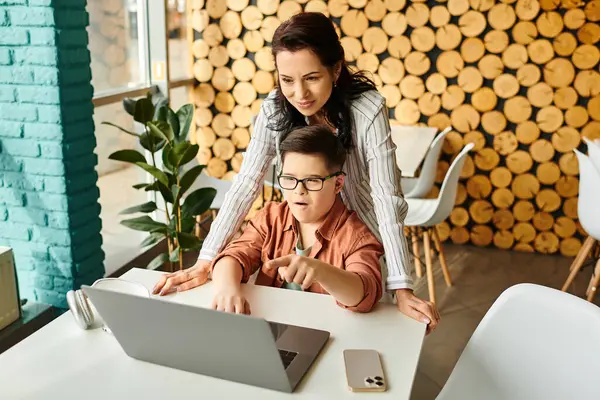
[{"x": 364, "y": 371}]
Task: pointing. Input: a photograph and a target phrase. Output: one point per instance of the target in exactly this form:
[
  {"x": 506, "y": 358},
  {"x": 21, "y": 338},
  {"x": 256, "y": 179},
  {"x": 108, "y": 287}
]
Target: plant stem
[
  {"x": 178, "y": 210},
  {"x": 170, "y": 246}
]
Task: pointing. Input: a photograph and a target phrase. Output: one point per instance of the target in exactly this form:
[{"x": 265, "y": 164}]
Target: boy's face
[{"x": 309, "y": 206}]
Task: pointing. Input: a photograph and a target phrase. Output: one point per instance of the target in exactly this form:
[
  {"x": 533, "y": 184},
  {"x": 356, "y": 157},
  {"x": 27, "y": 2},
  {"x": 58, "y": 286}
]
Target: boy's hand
[
  {"x": 230, "y": 300},
  {"x": 189, "y": 278},
  {"x": 418, "y": 309},
  {"x": 297, "y": 269}
]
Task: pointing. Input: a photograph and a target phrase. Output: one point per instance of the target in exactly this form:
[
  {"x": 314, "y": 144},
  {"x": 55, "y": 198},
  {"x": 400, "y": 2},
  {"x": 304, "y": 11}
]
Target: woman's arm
[
  {"x": 390, "y": 206},
  {"x": 246, "y": 185}
]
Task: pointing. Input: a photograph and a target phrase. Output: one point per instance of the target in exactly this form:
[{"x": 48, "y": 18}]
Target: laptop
[{"x": 233, "y": 347}]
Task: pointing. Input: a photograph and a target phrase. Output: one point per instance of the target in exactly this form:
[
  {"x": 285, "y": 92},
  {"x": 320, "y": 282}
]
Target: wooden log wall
[
  {"x": 108, "y": 45},
  {"x": 519, "y": 78}
]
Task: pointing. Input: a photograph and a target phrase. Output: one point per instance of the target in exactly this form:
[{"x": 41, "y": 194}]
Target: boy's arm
[
  {"x": 346, "y": 287},
  {"x": 246, "y": 250},
  {"x": 363, "y": 261},
  {"x": 227, "y": 276},
  {"x": 358, "y": 287}
]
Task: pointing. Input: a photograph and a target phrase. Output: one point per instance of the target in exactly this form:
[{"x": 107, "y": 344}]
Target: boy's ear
[{"x": 339, "y": 183}]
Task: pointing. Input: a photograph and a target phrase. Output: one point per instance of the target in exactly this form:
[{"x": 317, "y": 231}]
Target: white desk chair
[
  {"x": 420, "y": 187},
  {"x": 587, "y": 209},
  {"x": 533, "y": 343},
  {"x": 427, "y": 213},
  {"x": 593, "y": 152}
]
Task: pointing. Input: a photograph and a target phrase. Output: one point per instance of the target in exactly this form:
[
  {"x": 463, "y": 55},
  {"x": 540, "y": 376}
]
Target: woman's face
[{"x": 304, "y": 81}]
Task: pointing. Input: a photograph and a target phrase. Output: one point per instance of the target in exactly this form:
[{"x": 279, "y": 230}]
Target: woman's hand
[
  {"x": 179, "y": 281},
  {"x": 296, "y": 269},
  {"x": 418, "y": 309},
  {"x": 230, "y": 300}
]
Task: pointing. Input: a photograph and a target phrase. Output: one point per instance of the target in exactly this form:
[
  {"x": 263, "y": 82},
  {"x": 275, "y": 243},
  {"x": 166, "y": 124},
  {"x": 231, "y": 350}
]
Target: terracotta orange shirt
[{"x": 343, "y": 241}]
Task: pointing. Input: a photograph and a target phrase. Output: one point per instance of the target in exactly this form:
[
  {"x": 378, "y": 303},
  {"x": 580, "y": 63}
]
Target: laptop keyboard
[{"x": 287, "y": 357}]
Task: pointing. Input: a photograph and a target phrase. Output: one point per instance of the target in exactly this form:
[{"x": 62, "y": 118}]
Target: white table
[{"x": 61, "y": 361}]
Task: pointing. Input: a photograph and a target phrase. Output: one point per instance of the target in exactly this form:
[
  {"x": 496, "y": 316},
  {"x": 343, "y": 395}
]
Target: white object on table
[
  {"x": 533, "y": 343},
  {"x": 412, "y": 143},
  {"x": 61, "y": 361}
]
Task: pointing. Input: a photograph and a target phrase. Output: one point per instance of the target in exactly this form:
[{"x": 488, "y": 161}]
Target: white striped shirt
[{"x": 372, "y": 186}]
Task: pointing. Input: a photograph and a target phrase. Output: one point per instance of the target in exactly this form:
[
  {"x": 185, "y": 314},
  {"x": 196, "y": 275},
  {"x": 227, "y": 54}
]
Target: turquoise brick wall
[{"x": 49, "y": 211}]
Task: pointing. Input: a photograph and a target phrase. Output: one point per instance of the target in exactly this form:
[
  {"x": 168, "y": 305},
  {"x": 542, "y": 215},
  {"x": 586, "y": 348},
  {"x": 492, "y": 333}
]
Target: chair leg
[
  {"x": 197, "y": 226},
  {"x": 580, "y": 257},
  {"x": 429, "y": 266},
  {"x": 438, "y": 245},
  {"x": 578, "y": 262},
  {"x": 596, "y": 250},
  {"x": 436, "y": 248},
  {"x": 596, "y": 281},
  {"x": 416, "y": 251}
]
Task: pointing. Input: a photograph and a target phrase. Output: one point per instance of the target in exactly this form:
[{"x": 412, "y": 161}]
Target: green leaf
[
  {"x": 130, "y": 156},
  {"x": 184, "y": 152},
  {"x": 123, "y": 129},
  {"x": 158, "y": 261},
  {"x": 148, "y": 142},
  {"x": 129, "y": 105},
  {"x": 173, "y": 121},
  {"x": 155, "y": 172},
  {"x": 161, "y": 113},
  {"x": 144, "y": 224},
  {"x": 144, "y": 208},
  {"x": 160, "y": 102},
  {"x": 174, "y": 256},
  {"x": 188, "y": 223},
  {"x": 167, "y": 155},
  {"x": 161, "y": 130},
  {"x": 144, "y": 110},
  {"x": 189, "y": 154},
  {"x": 199, "y": 201},
  {"x": 152, "y": 187},
  {"x": 190, "y": 177},
  {"x": 185, "y": 115},
  {"x": 176, "y": 195},
  {"x": 172, "y": 179},
  {"x": 152, "y": 239},
  {"x": 173, "y": 226},
  {"x": 140, "y": 185},
  {"x": 179, "y": 150},
  {"x": 188, "y": 241},
  {"x": 166, "y": 193}
]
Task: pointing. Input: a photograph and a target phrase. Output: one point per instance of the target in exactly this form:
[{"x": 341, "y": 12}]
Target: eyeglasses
[{"x": 313, "y": 184}]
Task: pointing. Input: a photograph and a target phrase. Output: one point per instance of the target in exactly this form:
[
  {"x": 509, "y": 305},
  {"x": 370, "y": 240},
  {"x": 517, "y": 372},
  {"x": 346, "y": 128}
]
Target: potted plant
[{"x": 164, "y": 136}]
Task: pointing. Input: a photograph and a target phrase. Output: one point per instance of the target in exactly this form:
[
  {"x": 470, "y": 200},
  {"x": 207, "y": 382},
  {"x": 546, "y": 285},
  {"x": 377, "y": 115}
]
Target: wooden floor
[{"x": 479, "y": 277}]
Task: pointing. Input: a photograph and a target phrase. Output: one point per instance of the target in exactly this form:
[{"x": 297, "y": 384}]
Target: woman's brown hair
[{"x": 316, "y": 32}]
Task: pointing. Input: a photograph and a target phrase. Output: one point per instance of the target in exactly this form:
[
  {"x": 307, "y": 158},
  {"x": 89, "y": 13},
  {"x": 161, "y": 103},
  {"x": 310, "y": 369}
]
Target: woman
[{"x": 316, "y": 86}]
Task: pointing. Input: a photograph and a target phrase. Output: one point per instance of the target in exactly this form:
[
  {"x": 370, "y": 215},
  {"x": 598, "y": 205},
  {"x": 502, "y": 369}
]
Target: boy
[{"x": 309, "y": 242}]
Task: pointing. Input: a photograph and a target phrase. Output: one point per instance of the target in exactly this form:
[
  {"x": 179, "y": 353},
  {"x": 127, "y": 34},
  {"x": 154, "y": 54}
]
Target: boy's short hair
[{"x": 315, "y": 139}]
